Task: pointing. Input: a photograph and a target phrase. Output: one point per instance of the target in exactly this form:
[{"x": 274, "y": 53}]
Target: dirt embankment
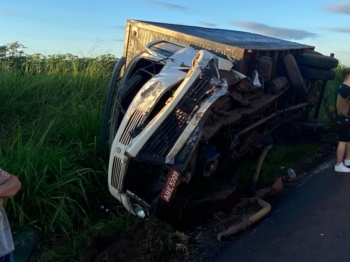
[{"x": 145, "y": 240}]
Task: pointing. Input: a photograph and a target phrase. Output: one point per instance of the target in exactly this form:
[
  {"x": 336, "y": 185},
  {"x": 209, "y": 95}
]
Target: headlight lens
[{"x": 139, "y": 211}]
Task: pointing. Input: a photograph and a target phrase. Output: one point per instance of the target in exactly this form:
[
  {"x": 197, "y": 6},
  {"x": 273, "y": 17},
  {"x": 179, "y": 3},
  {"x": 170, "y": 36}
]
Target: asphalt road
[{"x": 310, "y": 222}]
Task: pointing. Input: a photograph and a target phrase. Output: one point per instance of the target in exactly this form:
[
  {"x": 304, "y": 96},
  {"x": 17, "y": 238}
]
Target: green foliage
[
  {"x": 13, "y": 59},
  {"x": 50, "y": 115},
  {"x": 67, "y": 249},
  {"x": 277, "y": 161},
  {"x": 12, "y": 50},
  {"x": 330, "y": 93},
  {"x": 333, "y": 85}
]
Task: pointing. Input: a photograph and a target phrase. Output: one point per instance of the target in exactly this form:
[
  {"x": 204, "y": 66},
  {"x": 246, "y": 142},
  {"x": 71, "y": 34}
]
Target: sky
[{"x": 91, "y": 28}]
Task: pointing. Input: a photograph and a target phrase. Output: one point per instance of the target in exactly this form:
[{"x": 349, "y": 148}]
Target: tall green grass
[{"x": 50, "y": 119}]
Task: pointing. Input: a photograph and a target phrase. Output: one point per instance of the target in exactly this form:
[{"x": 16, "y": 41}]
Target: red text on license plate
[{"x": 170, "y": 185}]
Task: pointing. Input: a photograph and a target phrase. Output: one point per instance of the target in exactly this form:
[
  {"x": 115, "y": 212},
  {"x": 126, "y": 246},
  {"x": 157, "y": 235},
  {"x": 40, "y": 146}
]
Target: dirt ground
[
  {"x": 145, "y": 240},
  {"x": 154, "y": 240}
]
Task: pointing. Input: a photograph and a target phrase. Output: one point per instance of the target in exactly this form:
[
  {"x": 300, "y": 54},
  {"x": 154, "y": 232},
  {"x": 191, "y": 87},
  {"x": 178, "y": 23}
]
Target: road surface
[{"x": 310, "y": 222}]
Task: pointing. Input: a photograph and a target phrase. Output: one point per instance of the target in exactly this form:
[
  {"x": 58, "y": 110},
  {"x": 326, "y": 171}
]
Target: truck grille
[
  {"x": 161, "y": 142},
  {"x": 116, "y": 179},
  {"x": 134, "y": 122}
]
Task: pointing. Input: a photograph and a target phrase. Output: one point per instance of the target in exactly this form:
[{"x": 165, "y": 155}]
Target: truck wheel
[
  {"x": 312, "y": 52},
  {"x": 316, "y": 73},
  {"x": 309, "y": 59},
  {"x": 109, "y": 100},
  {"x": 125, "y": 97},
  {"x": 294, "y": 75}
]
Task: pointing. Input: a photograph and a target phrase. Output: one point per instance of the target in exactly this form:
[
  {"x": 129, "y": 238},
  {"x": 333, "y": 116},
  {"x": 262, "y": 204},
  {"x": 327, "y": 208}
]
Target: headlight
[{"x": 139, "y": 211}]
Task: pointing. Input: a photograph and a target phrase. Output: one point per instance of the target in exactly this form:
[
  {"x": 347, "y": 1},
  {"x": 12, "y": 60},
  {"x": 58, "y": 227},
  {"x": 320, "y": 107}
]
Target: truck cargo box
[{"x": 244, "y": 47}]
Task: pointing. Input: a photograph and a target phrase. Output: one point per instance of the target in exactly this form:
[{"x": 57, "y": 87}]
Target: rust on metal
[
  {"x": 263, "y": 120},
  {"x": 259, "y": 165},
  {"x": 275, "y": 189},
  {"x": 266, "y": 208}
]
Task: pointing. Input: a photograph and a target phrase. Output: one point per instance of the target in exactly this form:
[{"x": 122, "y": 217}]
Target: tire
[
  {"x": 312, "y": 52},
  {"x": 317, "y": 74},
  {"x": 311, "y": 60},
  {"x": 124, "y": 91},
  {"x": 107, "y": 110},
  {"x": 294, "y": 75},
  {"x": 113, "y": 127}
]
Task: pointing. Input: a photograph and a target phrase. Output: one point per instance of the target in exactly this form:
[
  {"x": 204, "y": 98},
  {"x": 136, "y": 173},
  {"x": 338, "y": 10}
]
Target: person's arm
[{"x": 9, "y": 185}]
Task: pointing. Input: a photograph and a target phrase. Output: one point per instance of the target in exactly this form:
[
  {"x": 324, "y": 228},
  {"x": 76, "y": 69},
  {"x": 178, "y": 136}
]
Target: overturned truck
[{"x": 185, "y": 102}]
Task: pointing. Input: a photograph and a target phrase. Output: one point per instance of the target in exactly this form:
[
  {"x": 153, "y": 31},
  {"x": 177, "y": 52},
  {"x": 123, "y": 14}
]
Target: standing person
[
  {"x": 9, "y": 186},
  {"x": 343, "y": 117}
]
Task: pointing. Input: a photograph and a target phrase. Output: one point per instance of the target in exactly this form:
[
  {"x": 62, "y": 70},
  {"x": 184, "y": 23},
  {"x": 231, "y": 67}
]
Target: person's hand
[
  {"x": 4, "y": 176},
  {"x": 9, "y": 185}
]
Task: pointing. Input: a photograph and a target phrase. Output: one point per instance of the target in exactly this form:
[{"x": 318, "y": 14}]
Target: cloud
[
  {"x": 279, "y": 32},
  {"x": 13, "y": 14},
  {"x": 167, "y": 5},
  {"x": 339, "y": 29},
  {"x": 338, "y": 8},
  {"x": 207, "y": 24}
]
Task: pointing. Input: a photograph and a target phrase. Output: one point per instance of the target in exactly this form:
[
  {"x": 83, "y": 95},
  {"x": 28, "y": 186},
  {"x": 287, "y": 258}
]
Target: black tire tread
[
  {"x": 317, "y": 73},
  {"x": 317, "y": 61},
  {"x": 107, "y": 109}
]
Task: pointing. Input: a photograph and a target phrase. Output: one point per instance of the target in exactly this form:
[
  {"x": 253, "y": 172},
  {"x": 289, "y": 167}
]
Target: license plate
[{"x": 169, "y": 188}]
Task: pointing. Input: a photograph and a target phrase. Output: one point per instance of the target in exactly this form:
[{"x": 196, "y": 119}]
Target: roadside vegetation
[{"x": 50, "y": 115}]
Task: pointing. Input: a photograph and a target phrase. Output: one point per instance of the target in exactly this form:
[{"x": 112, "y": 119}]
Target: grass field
[{"x": 50, "y": 116}]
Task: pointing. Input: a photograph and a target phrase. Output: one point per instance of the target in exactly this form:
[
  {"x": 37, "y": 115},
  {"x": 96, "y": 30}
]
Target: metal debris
[{"x": 266, "y": 208}]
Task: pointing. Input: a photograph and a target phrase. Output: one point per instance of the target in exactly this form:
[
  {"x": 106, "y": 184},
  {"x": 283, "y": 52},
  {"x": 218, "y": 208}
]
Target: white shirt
[{"x": 6, "y": 241}]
